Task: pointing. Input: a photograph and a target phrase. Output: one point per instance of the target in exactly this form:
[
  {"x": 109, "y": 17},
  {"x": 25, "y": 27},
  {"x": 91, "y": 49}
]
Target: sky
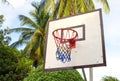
[{"x": 111, "y": 23}]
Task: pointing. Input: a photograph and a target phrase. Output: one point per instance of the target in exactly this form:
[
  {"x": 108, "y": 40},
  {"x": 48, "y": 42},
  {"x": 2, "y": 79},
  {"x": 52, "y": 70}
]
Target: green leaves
[
  {"x": 61, "y": 75},
  {"x": 65, "y": 8},
  {"x": 13, "y": 66},
  {"x": 109, "y": 78},
  {"x": 105, "y": 5},
  {"x": 4, "y": 38},
  {"x": 27, "y": 21},
  {"x": 1, "y": 20}
]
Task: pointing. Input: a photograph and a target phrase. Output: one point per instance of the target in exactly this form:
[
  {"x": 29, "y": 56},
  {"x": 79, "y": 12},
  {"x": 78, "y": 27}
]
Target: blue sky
[{"x": 111, "y": 24}]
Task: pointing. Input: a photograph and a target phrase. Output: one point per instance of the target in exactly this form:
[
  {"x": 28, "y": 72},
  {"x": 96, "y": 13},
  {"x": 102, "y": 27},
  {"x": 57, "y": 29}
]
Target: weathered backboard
[{"x": 90, "y": 48}]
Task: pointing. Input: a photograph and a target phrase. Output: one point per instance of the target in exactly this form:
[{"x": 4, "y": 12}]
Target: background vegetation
[
  {"x": 109, "y": 78},
  {"x": 13, "y": 66},
  {"x": 61, "y": 75}
]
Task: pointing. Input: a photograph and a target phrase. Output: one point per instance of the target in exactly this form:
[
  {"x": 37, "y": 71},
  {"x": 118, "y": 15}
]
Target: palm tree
[
  {"x": 34, "y": 33},
  {"x": 109, "y": 78}
]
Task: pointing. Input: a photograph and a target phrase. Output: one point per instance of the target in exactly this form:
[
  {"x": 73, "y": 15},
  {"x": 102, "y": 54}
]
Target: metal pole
[
  {"x": 84, "y": 75},
  {"x": 91, "y": 74}
]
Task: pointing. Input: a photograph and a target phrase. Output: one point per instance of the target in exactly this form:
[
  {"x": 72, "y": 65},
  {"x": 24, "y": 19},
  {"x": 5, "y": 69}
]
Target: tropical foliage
[
  {"x": 62, "y": 8},
  {"x": 61, "y": 75},
  {"x": 4, "y": 38},
  {"x": 1, "y": 20},
  {"x": 105, "y": 5},
  {"x": 109, "y": 78},
  {"x": 13, "y": 66},
  {"x": 34, "y": 33}
]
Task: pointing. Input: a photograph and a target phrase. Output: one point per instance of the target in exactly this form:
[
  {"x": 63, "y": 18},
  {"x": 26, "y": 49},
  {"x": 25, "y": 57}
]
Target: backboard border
[{"x": 82, "y": 66}]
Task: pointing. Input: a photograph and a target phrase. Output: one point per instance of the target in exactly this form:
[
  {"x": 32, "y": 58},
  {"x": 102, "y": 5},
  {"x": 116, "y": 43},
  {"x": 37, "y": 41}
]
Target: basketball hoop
[{"x": 65, "y": 40}]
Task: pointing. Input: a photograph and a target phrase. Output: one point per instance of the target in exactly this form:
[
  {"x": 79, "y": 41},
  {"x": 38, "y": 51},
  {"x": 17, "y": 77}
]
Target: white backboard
[{"x": 90, "y": 48}]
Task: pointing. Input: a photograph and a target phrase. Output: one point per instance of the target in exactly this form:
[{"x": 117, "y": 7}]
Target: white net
[{"x": 65, "y": 41}]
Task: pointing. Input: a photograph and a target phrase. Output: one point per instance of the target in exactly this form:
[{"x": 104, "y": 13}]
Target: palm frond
[
  {"x": 44, "y": 16},
  {"x": 90, "y": 4},
  {"x": 53, "y": 14},
  {"x": 49, "y": 5},
  {"x": 105, "y": 5},
  {"x": 52, "y": 4},
  {"x": 27, "y": 21},
  {"x": 61, "y": 8},
  {"x": 82, "y": 5},
  {"x": 33, "y": 43},
  {"x": 1, "y": 16},
  {"x": 19, "y": 30},
  {"x": 38, "y": 8},
  {"x": 26, "y": 35},
  {"x": 39, "y": 5},
  {"x": 18, "y": 43},
  {"x": 40, "y": 12},
  {"x": 1, "y": 19},
  {"x": 67, "y": 8}
]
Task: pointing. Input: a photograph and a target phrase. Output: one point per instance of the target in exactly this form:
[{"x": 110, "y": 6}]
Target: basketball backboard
[{"x": 90, "y": 48}]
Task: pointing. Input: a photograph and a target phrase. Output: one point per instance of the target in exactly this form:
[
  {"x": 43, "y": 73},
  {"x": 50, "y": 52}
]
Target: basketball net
[{"x": 65, "y": 40}]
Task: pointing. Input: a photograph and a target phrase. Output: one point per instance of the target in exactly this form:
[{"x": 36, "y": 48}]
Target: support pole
[
  {"x": 91, "y": 73},
  {"x": 84, "y": 75}
]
